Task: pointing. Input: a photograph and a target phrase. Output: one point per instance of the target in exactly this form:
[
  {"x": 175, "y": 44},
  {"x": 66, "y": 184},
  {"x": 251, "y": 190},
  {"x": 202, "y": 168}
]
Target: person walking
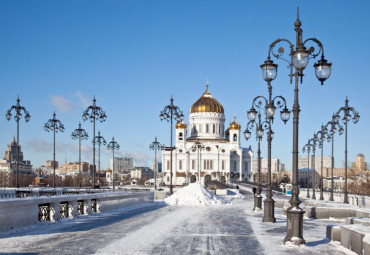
[
  {"x": 237, "y": 188},
  {"x": 254, "y": 190}
]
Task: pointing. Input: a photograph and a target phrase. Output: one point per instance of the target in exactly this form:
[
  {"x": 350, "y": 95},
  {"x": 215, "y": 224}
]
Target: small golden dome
[
  {"x": 207, "y": 103},
  {"x": 180, "y": 124},
  {"x": 234, "y": 125}
]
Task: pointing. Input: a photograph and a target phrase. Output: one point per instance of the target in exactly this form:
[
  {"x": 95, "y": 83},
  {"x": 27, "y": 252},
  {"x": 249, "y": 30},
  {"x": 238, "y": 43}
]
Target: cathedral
[{"x": 208, "y": 152}]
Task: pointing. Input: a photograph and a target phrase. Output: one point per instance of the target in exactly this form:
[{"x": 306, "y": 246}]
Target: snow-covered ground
[{"x": 156, "y": 228}]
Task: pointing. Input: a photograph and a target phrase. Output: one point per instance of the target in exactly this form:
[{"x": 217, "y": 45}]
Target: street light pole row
[
  {"x": 269, "y": 108},
  {"x": 168, "y": 113},
  {"x": 18, "y": 109},
  {"x": 55, "y": 125},
  {"x": 299, "y": 58},
  {"x": 113, "y": 145},
  {"x": 94, "y": 112},
  {"x": 80, "y": 134}
]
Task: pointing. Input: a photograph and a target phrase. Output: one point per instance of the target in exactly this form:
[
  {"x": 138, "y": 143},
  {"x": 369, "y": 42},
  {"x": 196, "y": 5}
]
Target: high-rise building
[
  {"x": 10, "y": 158},
  {"x": 125, "y": 164},
  {"x": 360, "y": 165},
  {"x": 302, "y": 162}
]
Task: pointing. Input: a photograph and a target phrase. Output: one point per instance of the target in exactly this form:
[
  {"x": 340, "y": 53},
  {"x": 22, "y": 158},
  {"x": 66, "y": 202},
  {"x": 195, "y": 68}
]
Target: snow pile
[{"x": 195, "y": 195}]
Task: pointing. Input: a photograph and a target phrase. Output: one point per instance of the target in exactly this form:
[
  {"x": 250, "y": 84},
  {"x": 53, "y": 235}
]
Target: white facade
[
  {"x": 220, "y": 157},
  {"x": 302, "y": 162},
  {"x": 275, "y": 165}
]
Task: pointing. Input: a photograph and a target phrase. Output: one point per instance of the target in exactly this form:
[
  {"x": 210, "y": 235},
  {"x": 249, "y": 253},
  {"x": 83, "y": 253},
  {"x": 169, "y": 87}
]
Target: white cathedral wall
[
  {"x": 185, "y": 153},
  {"x": 198, "y": 125}
]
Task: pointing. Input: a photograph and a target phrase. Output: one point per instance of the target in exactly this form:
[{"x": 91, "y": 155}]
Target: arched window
[
  {"x": 180, "y": 136},
  {"x": 207, "y": 128},
  {"x": 235, "y": 138}
]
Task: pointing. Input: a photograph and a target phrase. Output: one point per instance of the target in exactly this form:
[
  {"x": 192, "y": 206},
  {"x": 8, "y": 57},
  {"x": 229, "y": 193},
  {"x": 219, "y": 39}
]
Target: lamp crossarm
[
  {"x": 281, "y": 53},
  {"x": 312, "y": 50},
  {"x": 259, "y": 104}
]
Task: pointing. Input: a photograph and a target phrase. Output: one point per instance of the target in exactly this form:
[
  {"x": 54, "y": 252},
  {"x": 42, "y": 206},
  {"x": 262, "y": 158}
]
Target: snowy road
[{"x": 159, "y": 229}]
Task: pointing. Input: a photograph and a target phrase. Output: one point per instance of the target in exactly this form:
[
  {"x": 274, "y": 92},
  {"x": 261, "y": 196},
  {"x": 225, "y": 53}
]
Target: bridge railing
[{"x": 15, "y": 213}]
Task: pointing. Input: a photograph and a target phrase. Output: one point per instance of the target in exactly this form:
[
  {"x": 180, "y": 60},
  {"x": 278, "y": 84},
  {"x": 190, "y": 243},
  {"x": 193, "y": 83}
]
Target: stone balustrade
[{"x": 16, "y": 213}]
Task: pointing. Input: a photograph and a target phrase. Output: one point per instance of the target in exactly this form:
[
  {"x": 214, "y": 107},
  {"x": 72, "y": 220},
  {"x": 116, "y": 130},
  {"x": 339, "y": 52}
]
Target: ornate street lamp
[
  {"x": 307, "y": 147},
  {"x": 168, "y": 113},
  {"x": 323, "y": 132},
  {"x": 348, "y": 114},
  {"x": 155, "y": 146},
  {"x": 299, "y": 58},
  {"x": 333, "y": 127},
  {"x": 18, "y": 109},
  {"x": 315, "y": 141},
  {"x": 268, "y": 105},
  {"x": 99, "y": 140},
  {"x": 80, "y": 134},
  {"x": 55, "y": 125},
  {"x": 199, "y": 147},
  {"x": 259, "y": 127},
  {"x": 94, "y": 112},
  {"x": 113, "y": 145}
]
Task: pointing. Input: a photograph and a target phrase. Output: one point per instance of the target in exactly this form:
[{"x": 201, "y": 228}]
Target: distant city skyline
[{"x": 132, "y": 56}]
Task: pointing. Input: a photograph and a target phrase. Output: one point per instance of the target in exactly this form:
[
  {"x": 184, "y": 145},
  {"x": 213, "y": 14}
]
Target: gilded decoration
[{"x": 207, "y": 103}]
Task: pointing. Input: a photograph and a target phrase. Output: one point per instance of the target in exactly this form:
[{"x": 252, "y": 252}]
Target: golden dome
[
  {"x": 180, "y": 124},
  {"x": 234, "y": 125},
  {"x": 207, "y": 103}
]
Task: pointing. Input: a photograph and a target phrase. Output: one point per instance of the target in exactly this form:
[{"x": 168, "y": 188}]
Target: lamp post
[
  {"x": 348, "y": 114},
  {"x": 168, "y": 113},
  {"x": 18, "y": 109},
  {"x": 261, "y": 102},
  {"x": 155, "y": 146},
  {"x": 299, "y": 57},
  {"x": 259, "y": 128},
  {"x": 334, "y": 124},
  {"x": 94, "y": 112},
  {"x": 55, "y": 125},
  {"x": 323, "y": 132},
  {"x": 308, "y": 148},
  {"x": 80, "y": 134},
  {"x": 315, "y": 140},
  {"x": 113, "y": 145},
  {"x": 198, "y": 146},
  {"x": 99, "y": 140}
]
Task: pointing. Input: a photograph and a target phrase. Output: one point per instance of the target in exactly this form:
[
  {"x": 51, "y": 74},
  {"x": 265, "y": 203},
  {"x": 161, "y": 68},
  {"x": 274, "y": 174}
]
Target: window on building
[
  {"x": 193, "y": 164},
  {"x": 168, "y": 179},
  {"x": 207, "y": 128},
  {"x": 168, "y": 164},
  {"x": 223, "y": 164},
  {"x": 214, "y": 128},
  {"x": 235, "y": 138},
  {"x": 180, "y": 136},
  {"x": 180, "y": 164}
]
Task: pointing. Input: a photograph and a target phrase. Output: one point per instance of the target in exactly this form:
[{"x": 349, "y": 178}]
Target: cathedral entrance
[
  {"x": 223, "y": 179},
  {"x": 207, "y": 180},
  {"x": 193, "y": 179}
]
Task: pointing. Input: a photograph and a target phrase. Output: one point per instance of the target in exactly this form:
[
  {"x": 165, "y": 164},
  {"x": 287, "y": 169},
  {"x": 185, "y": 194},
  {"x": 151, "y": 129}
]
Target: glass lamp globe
[
  {"x": 322, "y": 69},
  {"x": 251, "y": 114},
  {"x": 300, "y": 58},
  {"x": 269, "y": 70}
]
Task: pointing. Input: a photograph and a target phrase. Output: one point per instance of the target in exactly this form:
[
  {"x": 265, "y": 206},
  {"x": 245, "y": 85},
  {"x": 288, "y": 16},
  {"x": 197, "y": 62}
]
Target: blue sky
[{"x": 133, "y": 55}]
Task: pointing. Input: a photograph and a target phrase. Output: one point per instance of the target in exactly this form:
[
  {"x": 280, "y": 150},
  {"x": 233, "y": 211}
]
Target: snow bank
[{"x": 194, "y": 195}]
